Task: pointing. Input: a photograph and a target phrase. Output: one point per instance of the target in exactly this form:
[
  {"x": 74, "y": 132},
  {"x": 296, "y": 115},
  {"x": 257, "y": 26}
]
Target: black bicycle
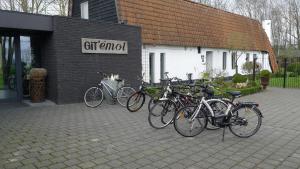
[{"x": 243, "y": 118}]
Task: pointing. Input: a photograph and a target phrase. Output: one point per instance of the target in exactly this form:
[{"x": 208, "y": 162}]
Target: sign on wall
[{"x": 104, "y": 46}]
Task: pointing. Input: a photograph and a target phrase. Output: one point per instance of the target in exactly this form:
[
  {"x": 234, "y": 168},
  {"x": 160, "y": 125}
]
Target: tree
[
  {"x": 58, "y": 7},
  {"x": 220, "y": 4},
  {"x": 61, "y": 6},
  {"x": 238, "y": 44}
]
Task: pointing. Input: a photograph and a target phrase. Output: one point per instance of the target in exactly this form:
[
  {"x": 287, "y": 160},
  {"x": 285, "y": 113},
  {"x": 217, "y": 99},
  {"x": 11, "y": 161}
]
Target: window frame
[
  {"x": 224, "y": 60},
  {"x": 162, "y": 65},
  {"x": 151, "y": 67},
  {"x": 247, "y": 57},
  {"x": 84, "y": 7}
]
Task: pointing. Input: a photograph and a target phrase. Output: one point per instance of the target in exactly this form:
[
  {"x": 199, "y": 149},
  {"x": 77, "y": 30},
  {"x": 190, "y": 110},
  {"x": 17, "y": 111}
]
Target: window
[
  {"x": 233, "y": 60},
  {"x": 263, "y": 61},
  {"x": 84, "y": 9},
  {"x": 254, "y": 56},
  {"x": 247, "y": 57},
  {"x": 199, "y": 49},
  {"x": 162, "y": 65},
  {"x": 224, "y": 60},
  {"x": 151, "y": 67}
]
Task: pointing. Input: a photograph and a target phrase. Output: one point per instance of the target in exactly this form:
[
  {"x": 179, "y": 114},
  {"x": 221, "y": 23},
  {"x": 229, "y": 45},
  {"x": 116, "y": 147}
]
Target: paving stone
[
  {"x": 87, "y": 164},
  {"x": 115, "y": 163},
  {"x": 74, "y": 136}
]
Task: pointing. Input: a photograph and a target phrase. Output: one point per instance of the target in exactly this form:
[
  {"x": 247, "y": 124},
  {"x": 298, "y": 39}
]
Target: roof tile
[{"x": 185, "y": 23}]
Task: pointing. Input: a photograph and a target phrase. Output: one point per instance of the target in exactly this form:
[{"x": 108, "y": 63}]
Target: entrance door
[
  {"x": 209, "y": 61},
  {"x": 8, "y": 85},
  {"x": 9, "y": 69}
]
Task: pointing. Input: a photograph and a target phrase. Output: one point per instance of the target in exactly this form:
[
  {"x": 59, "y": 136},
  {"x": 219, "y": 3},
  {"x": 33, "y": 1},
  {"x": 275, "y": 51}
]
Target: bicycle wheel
[
  {"x": 123, "y": 94},
  {"x": 161, "y": 114},
  {"x": 187, "y": 127},
  {"x": 135, "y": 102},
  {"x": 93, "y": 97},
  {"x": 151, "y": 103},
  {"x": 245, "y": 121}
]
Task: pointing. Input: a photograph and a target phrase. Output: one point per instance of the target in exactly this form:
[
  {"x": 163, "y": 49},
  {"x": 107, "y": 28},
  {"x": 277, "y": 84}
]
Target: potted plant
[{"x": 265, "y": 78}]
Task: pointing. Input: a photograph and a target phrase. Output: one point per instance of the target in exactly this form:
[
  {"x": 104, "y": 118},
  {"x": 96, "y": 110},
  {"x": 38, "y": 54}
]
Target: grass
[{"x": 291, "y": 82}]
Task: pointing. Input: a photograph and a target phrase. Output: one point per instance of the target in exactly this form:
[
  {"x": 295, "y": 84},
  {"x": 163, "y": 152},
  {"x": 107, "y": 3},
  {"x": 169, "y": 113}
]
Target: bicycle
[
  {"x": 196, "y": 118},
  {"x": 136, "y": 101},
  {"x": 93, "y": 97},
  {"x": 163, "y": 111}
]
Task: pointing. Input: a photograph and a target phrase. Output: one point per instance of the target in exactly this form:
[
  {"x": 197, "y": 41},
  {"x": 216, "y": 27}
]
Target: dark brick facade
[
  {"x": 99, "y": 10},
  {"x": 70, "y": 72}
]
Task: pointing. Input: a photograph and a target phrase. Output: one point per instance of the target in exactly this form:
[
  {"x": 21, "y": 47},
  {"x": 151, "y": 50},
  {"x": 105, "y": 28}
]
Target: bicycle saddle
[{"x": 234, "y": 93}]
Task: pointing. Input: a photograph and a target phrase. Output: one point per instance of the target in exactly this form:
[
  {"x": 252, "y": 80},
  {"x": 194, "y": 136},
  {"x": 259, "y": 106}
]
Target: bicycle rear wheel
[
  {"x": 161, "y": 114},
  {"x": 245, "y": 121},
  {"x": 187, "y": 127},
  {"x": 123, "y": 94},
  {"x": 93, "y": 97},
  {"x": 135, "y": 102}
]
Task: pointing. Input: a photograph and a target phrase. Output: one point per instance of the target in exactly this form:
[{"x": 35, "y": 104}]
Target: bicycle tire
[
  {"x": 162, "y": 114},
  {"x": 182, "y": 114},
  {"x": 96, "y": 91},
  {"x": 123, "y": 94},
  {"x": 134, "y": 100},
  {"x": 237, "y": 111},
  {"x": 151, "y": 103}
]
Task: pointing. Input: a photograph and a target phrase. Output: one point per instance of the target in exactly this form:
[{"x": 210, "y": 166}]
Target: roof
[
  {"x": 11, "y": 20},
  {"x": 185, "y": 23}
]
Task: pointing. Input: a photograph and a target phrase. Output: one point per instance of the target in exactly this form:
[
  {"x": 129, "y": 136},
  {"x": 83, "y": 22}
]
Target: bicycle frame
[
  {"x": 206, "y": 103},
  {"x": 107, "y": 87}
]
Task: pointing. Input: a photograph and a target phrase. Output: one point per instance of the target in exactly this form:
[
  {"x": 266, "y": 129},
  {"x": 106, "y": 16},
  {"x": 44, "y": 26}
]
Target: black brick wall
[
  {"x": 72, "y": 72},
  {"x": 99, "y": 10}
]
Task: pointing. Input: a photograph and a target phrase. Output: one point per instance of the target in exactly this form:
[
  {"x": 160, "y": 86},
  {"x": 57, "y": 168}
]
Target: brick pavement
[{"x": 74, "y": 136}]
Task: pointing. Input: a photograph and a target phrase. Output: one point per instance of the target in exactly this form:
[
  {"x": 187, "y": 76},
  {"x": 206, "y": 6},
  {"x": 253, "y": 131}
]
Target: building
[
  {"x": 181, "y": 36},
  {"x": 63, "y": 45}
]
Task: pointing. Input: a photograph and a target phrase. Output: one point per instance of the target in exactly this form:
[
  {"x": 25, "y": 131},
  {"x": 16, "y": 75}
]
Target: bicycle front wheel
[
  {"x": 135, "y": 102},
  {"x": 123, "y": 94},
  {"x": 151, "y": 103},
  {"x": 187, "y": 127},
  {"x": 161, "y": 114},
  {"x": 245, "y": 121},
  {"x": 93, "y": 97}
]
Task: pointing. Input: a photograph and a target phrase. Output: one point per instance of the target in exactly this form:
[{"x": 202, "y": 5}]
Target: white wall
[{"x": 182, "y": 60}]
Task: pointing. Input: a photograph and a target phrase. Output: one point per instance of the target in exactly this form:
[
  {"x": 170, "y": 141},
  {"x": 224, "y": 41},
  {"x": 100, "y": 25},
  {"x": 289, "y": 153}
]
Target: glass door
[{"x": 8, "y": 73}]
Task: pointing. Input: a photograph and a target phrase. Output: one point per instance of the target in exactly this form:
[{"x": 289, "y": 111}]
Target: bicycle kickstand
[{"x": 223, "y": 134}]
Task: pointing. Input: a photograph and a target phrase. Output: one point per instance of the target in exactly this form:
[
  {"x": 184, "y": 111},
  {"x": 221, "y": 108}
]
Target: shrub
[
  {"x": 245, "y": 91},
  {"x": 265, "y": 73},
  {"x": 250, "y": 90},
  {"x": 279, "y": 73},
  {"x": 294, "y": 67},
  {"x": 219, "y": 80},
  {"x": 252, "y": 84},
  {"x": 238, "y": 78},
  {"x": 293, "y": 74},
  {"x": 153, "y": 91},
  {"x": 248, "y": 67}
]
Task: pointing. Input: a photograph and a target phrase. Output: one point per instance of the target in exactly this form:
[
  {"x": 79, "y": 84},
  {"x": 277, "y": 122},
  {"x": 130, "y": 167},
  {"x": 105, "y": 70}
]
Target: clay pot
[{"x": 264, "y": 82}]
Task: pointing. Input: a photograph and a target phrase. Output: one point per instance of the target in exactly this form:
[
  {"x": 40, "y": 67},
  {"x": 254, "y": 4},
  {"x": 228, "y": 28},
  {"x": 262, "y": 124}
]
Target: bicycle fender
[{"x": 251, "y": 105}]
